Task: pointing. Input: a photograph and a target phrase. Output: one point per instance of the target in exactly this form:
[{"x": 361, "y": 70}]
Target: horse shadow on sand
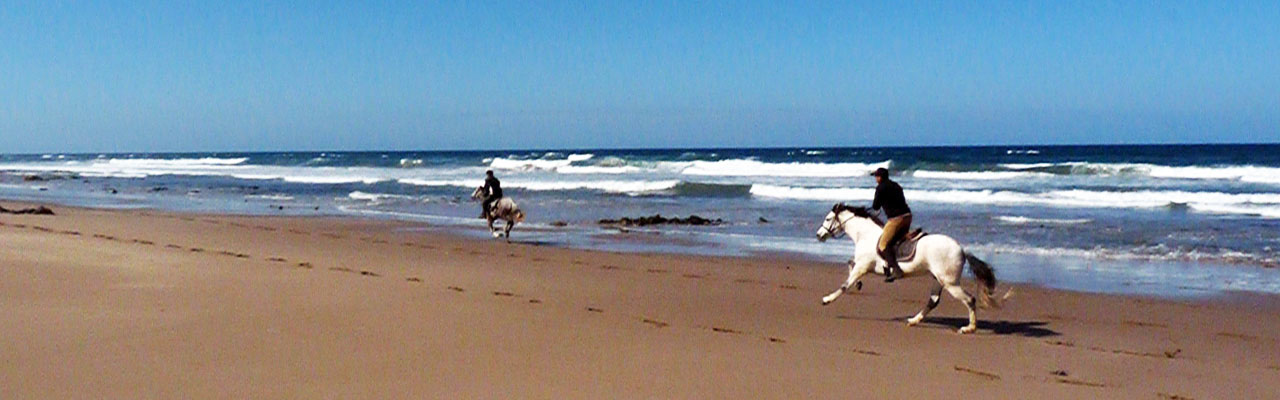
[{"x": 1031, "y": 329}]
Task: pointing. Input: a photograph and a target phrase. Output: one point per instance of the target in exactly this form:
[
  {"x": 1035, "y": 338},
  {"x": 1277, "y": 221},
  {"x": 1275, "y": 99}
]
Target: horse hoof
[
  {"x": 913, "y": 322},
  {"x": 967, "y": 329}
]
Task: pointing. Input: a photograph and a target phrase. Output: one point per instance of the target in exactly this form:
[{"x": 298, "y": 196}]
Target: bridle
[{"x": 839, "y": 224}]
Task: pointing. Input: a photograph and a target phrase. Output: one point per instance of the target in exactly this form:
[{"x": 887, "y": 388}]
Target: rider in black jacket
[
  {"x": 889, "y": 197},
  {"x": 492, "y": 193}
]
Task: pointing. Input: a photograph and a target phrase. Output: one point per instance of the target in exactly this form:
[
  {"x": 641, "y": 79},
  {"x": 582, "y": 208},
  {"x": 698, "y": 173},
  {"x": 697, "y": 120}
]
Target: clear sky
[{"x": 174, "y": 75}]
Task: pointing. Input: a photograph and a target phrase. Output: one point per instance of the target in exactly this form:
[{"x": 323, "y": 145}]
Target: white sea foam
[
  {"x": 376, "y": 197},
  {"x": 1261, "y": 204},
  {"x": 1244, "y": 173},
  {"x": 978, "y": 175},
  {"x": 608, "y": 186},
  {"x": 273, "y": 197},
  {"x": 749, "y": 167},
  {"x": 541, "y": 164},
  {"x": 1020, "y": 220}
]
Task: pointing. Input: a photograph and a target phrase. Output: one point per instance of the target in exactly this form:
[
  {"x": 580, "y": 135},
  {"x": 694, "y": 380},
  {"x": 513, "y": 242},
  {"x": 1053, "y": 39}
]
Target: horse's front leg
[
  {"x": 507, "y": 231},
  {"x": 856, "y": 271},
  {"x": 492, "y": 231}
]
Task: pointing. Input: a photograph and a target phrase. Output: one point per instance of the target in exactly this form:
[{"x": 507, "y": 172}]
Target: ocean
[{"x": 1151, "y": 219}]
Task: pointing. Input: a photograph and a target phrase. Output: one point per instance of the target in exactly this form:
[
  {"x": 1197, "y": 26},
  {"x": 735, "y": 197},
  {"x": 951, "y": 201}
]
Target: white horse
[
  {"x": 504, "y": 209},
  {"x": 938, "y": 255}
]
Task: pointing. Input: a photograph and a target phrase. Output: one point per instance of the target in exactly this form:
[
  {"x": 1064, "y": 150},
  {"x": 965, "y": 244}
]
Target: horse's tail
[{"x": 986, "y": 278}]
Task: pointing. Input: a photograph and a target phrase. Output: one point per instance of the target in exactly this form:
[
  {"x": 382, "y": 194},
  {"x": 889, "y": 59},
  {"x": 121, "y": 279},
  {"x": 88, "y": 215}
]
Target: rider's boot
[{"x": 892, "y": 270}]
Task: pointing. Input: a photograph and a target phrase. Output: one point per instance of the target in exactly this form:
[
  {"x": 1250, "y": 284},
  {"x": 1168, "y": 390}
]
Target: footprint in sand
[
  {"x": 370, "y": 273},
  {"x": 656, "y": 271},
  {"x": 1077, "y": 382},
  {"x": 457, "y": 289},
  {"x": 655, "y": 323},
  {"x": 504, "y": 294},
  {"x": 72, "y": 233},
  {"x": 1240, "y": 336},
  {"x": 693, "y": 276},
  {"x": 341, "y": 269},
  {"x": 726, "y": 330},
  {"x": 277, "y": 259},
  {"x": 774, "y": 339},
  {"x": 413, "y": 279},
  {"x": 535, "y": 301},
  {"x": 593, "y": 309},
  {"x": 144, "y": 242},
  {"x": 1167, "y": 396},
  {"x": 1145, "y": 324},
  {"x": 197, "y": 250},
  {"x": 306, "y": 265},
  {"x": 789, "y": 287},
  {"x": 985, "y": 375},
  {"x": 173, "y": 246}
]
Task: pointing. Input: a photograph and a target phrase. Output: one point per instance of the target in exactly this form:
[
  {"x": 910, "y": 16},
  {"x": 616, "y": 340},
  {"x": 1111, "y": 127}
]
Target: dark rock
[
  {"x": 658, "y": 219},
  {"x": 763, "y": 221},
  {"x": 41, "y": 210}
]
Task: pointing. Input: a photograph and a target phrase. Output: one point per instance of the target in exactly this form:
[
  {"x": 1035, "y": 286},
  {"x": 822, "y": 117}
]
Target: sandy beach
[{"x": 150, "y": 304}]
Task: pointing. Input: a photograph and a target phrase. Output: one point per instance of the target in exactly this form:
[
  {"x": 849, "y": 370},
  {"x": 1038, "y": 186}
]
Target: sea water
[{"x": 1174, "y": 219}]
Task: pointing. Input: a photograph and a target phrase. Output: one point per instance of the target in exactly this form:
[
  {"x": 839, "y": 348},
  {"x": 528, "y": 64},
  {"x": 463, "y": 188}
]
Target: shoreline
[{"x": 144, "y": 303}]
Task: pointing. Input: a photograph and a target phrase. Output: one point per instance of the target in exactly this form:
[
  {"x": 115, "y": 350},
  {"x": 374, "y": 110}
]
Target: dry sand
[{"x": 147, "y": 304}]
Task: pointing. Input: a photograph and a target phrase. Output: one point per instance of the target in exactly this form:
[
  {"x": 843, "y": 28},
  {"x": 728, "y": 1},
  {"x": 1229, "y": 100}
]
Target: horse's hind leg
[
  {"x": 507, "y": 231},
  {"x": 969, "y": 302},
  {"x": 934, "y": 297}
]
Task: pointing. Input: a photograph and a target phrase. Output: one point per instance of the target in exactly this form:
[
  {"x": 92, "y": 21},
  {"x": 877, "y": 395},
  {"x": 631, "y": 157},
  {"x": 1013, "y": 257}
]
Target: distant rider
[
  {"x": 889, "y": 197},
  {"x": 492, "y": 191}
]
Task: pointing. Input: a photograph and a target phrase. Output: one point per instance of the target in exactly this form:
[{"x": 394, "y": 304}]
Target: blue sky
[{"x": 230, "y": 75}]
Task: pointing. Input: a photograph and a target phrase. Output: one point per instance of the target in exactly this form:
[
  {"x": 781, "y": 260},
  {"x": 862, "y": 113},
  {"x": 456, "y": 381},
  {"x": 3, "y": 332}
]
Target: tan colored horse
[{"x": 504, "y": 209}]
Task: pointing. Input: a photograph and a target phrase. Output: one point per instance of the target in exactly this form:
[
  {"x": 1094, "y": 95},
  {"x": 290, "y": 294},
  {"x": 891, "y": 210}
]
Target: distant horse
[
  {"x": 504, "y": 209},
  {"x": 938, "y": 255}
]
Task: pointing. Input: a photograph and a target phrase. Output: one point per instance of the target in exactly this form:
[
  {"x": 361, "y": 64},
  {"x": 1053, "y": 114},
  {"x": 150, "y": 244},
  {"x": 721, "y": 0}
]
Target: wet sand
[{"x": 130, "y": 304}]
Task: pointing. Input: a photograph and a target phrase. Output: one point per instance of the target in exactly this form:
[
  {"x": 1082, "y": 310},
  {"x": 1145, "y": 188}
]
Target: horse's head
[
  {"x": 478, "y": 193},
  {"x": 834, "y": 224},
  {"x": 831, "y": 225}
]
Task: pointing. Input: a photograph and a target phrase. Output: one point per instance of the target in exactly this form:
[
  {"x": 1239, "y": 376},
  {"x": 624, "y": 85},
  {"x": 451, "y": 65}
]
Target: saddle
[{"x": 906, "y": 246}]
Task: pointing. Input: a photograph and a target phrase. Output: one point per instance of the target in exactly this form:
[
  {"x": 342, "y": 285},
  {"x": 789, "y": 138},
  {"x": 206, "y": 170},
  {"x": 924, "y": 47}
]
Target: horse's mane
[{"x": 859, "y": 211}]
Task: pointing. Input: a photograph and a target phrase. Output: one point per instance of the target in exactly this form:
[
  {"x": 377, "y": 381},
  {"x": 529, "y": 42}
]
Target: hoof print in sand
[
  {"x": 985, "y": 375},
  {"x": 457, "y": 289},
  {"x": 535, "y": 301},
  {"x": 656, "y": 271},
  {"x": 504, "y": 294},
  {"x": 370, "y": 273},
  {"x": 725, "y": 330},
  {"x": 413, "y": 279},
  {"x": 1077, "y": 382},
  {"x": 593, "y": 309},
  {"x": 789, "y": 287},
  {"x": 655, "y": 323},
  {"x": 775, "y": 340},
  {"x": 1167, "y": 396},
  {"x": 196, "y": 250},
  {"x": 277, "y": 259},
  {"x": 693, "y": 276},
  {"x": 306, "y": 265}
]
